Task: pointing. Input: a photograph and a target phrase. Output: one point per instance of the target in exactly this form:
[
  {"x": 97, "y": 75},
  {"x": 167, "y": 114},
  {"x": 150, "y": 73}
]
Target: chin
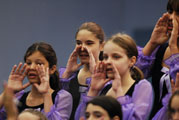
[{"x": 84, "y": 61}]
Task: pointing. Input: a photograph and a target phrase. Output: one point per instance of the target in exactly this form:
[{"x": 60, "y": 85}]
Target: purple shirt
[
  {"x": 136, "y": 107},
  {"x": 61, "y": 109}
]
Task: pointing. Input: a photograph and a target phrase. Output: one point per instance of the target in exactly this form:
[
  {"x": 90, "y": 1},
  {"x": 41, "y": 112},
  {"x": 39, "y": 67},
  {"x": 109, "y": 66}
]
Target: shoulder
[
  {"x": 143, "y": 84},
  {"x": 63, "y": 94}
]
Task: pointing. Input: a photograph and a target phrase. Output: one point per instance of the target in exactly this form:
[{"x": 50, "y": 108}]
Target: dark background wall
[{"x": 23, "y": 22}]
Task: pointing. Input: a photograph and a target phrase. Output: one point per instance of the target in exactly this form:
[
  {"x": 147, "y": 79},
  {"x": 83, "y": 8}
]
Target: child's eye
[
  {"x": 78, "y": 42},
  {"x": 28, "y": 63},
  {"x": 105, "y": 57},
  {"x": 87, "y": 115},
  {"x": 89, "y": 43},
  {"x": 116, "y": 56},
  {"x": 97, "y": 114}
]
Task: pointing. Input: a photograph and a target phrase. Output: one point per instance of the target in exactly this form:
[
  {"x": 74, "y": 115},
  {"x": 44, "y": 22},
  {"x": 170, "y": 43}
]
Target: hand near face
[
  {"x": 16, "y": 77},
  {"x": 92, "y": 61},
  {"x": 159, "y": 34},
  {"x": 43, "y": 73},
  {"x": 98, "y": 79},
  {"x": 72, "y": 65},
  {"x": 116, "y": 84}
]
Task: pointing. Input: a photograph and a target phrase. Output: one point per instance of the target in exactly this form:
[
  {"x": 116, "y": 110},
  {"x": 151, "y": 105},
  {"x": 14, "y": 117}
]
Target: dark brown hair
[
  {"x": 48, "y": 52},
  {"x": 173, "y": 5},
  {"x": 110, "y": 104},
  {"x": 129, "y": 45}
]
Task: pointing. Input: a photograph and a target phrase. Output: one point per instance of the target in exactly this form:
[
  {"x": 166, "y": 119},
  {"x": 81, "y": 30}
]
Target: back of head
[
  {"x": 37, "y": 113},
  {"x": 48, "y": 52},
  {"x": 128, "y": 44},
  {"x": 110, "y": 104}
]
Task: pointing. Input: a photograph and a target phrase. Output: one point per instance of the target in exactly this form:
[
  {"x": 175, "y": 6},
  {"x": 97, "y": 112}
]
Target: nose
[{"x": 32, "y": 66}]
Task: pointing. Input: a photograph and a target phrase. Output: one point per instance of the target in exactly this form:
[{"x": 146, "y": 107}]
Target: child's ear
[
  {"x": 116, "y": 118},
  {"x": 133, "y": 61},
  {"x": 52, "y": 69},
  {"x": 101, "y": 46}
]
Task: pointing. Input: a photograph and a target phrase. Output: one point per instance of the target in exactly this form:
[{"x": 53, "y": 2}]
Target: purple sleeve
[
  {"x": 162, "y": 113},
  {"x": 173, "y": 63},
  {"x": 145, "y": 62},
  {"x": 138, "y": 106},
  {"x": 80, "y": 111},
  {"x": 62, "y": 108},
  {"x": 2, "y": 110},
  {"x": 65, "y": 82}
]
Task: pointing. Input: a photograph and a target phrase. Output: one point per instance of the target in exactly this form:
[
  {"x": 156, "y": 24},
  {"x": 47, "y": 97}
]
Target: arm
[
  {"x": 62, "y": 108},
  {"x": 139, "y": 106},
  {"x": 72, "y": 65},
  {"x": 173, "y": 60},
  {"x": 9, "y": 104},
  {"x": 159, "y": 36}
]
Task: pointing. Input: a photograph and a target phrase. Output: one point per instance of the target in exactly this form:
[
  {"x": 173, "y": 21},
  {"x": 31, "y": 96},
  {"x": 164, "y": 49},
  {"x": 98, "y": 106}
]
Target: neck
[
  {"x": 86, "y": 67},
  {"x": 127, "y": 80},
  {"x": 34, "y": 92}
]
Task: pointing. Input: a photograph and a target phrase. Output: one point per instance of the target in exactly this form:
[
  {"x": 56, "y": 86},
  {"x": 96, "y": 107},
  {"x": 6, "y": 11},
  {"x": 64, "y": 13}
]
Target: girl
[
  {"x": 89, "y": 43},
  {"x": 120, "y": 54},
  {"x": 103, "y": 107},
  {"x": 45, "y": 95}
]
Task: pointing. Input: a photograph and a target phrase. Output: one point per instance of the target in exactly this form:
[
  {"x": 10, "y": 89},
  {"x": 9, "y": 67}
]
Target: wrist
[
  {"x": 93, "y": 92},
  {"x": 66, "y": 74}
]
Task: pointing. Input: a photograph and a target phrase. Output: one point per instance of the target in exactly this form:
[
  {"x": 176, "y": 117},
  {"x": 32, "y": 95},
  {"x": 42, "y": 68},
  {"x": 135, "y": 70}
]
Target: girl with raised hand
[
  {"x": 128, "y": 87},
  {"x": 164, "y": 42},
  {"x": 46, "y": 94},
  {"x": 89, "y": 43}
]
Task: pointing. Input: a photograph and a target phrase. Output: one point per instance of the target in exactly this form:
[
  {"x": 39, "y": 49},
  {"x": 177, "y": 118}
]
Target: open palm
[{"x": 17, "y": 76}]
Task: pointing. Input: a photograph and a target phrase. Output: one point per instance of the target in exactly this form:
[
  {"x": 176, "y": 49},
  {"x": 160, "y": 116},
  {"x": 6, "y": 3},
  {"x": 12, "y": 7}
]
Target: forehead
[
  {"x": 86, "y": 35},
  {"x": 92, "y": 108},
  {"x": 36, "y": 55},
  {"x": 112, "y": 47}
]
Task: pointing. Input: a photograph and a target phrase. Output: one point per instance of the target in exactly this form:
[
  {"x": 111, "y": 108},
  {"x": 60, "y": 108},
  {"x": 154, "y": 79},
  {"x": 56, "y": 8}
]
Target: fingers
[
  {"x": 26, "y": 85},
  {"x": 101, "y": 67},
  {"x": 20, "y": 69},
  {"x": 42, "y": 72}
]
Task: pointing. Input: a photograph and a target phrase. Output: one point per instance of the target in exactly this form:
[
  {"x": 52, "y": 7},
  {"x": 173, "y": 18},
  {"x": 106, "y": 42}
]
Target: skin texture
[
  {"x": 94, "y": 112},
  {"x": 175, "y": 107},
  {"x": 27, "y": 116}
]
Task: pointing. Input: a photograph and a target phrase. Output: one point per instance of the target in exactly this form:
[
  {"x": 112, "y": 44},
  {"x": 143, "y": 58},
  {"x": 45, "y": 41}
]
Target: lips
[{"x": 32, "y": 75}]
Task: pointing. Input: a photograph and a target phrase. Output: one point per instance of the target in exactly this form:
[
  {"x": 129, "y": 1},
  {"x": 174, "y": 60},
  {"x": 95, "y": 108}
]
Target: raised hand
[
  {"x": 16, "y": 77},
  {"x": 174, "y": 36},
  {"x": 92, "y": 61},
  {"x": 72, "y": 65},
  {"x": 98, "y": 79},
  {"x": 159, "y": 34},
  {"x": 44, "y": 85},
  {"x": 175, "y": 85}
]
